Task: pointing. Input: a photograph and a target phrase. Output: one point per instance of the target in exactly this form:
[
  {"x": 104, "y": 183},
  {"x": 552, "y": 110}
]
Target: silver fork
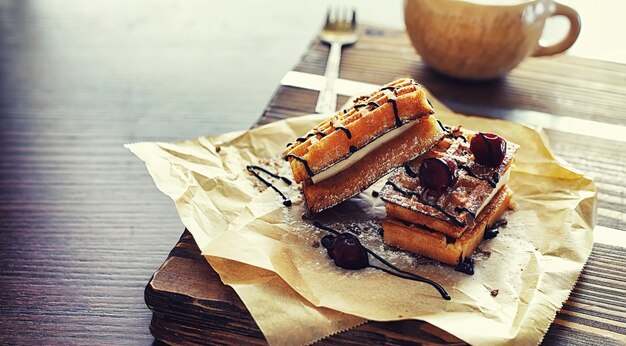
[{"x": 337, "y": 32}]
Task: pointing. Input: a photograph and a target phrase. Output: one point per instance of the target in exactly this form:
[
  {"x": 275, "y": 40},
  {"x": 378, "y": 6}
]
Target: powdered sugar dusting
[{"x": 342, "y": 218}]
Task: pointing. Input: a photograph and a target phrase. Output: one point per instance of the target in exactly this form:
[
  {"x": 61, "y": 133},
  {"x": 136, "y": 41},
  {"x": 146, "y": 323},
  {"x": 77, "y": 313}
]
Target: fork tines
[{"x": 336, "y": 19}]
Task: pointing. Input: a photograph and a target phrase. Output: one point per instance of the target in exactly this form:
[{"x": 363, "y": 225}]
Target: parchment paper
[{"x": 271, "y": 257}]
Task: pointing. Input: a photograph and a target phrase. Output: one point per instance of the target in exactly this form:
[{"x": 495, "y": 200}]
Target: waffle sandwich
[
  {"x": 350, "y": 151},
  {"x": 441, "y": 204}
]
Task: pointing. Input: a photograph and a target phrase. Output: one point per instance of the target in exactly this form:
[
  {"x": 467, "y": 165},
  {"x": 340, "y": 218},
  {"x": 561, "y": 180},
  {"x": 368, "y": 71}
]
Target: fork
[{"x": 337, "y": 33}]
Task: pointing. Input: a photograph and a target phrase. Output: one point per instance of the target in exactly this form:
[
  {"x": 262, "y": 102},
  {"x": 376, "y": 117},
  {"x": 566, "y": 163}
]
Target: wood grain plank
[
  {"x": 595, "y": 310},
  {"x": 82, "y": 227},
  {"x": 594, "y": 313}
]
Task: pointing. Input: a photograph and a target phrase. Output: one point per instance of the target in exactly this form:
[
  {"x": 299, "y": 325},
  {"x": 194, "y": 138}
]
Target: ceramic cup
[{"x": 483, "y": 39}]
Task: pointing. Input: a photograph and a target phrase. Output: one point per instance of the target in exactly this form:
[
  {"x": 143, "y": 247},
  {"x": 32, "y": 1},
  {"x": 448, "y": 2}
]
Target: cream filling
[
  {"x": 360, "y": 153},
  {"x": 503, "y": 180}
]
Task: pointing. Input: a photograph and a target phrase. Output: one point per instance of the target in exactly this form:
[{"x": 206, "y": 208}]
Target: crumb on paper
[
  {"x": 218, "y": 149},
  {"x": 494, "y": 292}
]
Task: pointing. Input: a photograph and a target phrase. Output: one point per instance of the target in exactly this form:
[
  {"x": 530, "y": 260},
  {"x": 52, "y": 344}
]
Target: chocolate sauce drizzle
[
  {"x": 401, "y": 190},
  {"x": 303, "y": 139},
  {"x": 466, "y": 266},
  {"x": 430, "y": 104},
  {"x": 491, "y": 233},
  {"x": 445, "y": 129},
  {"x": 460, "y": 136},
  {"x": 409, "y": 171},
  {"x": 493, "y": 230},
  {"x": 373, "y": 104},
  {"x": 394, "y": 270},
  {"x": 389, "y": 87},
  {"x": 438, "y": 207},
  {"x": 395, "y": 111},
  {"x": 309, "y": 171},
  {"x": 444, "y": 212},
  {"x": 459, "y": 210},
  {"x": 251, "y": 169},
  {"x": 345, "y": 130},
  {"x": 492, "y": 182},
  {"x": 353, "y": 149}
]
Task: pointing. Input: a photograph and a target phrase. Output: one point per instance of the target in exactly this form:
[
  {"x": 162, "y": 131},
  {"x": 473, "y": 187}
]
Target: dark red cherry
[
  {"x": 346, "y": 250},
  {"x": 488, "y": 148},
  {"x": 437, "y": 172}
]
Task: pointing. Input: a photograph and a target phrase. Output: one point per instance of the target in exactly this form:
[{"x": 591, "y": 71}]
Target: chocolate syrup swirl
[
  {"x": 460, "y": 136},
  {"x": 345, "y": 130},
  {"x": 389, "y": 87},
  {"x": 373, "y": 104},
  {"x": 353, "y": 149},
  {"x": 401, "y": 190},
  {"x": 491, "y": 233},
  {"x": 303, "y": 139},
  {"x": 393, "y": 269},
  {"x": 430, "y": 104},
  {"x": 496, "y": 177},
  {"x": 444, "y": 212},
  {"x": 439, "y": 208},
  {"x": 251, "y": 169},
  {"x": 492, "y": 182},
  {"x": 285, "y": 179},
  {"x": 395, "y": 111},
  {"x": 493, "y": 230},
  {"x": 445, "y": 129},
  {"x": 466, "y": 266},
  {"x": 409, "y": 171},
  {"x": 309, "y": 171},
  {"x": 459, "y": 210}
]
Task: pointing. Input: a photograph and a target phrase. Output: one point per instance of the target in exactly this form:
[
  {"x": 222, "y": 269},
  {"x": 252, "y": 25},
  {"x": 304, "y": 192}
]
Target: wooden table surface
[{"x": 82, "y": 227}]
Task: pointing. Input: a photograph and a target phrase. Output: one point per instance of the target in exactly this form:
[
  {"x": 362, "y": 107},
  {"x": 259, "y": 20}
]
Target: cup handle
[{"x": 572, "y": 35}]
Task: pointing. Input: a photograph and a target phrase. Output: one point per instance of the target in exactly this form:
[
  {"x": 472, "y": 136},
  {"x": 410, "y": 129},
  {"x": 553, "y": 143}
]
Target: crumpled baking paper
[{"x": 271, "y": 256}]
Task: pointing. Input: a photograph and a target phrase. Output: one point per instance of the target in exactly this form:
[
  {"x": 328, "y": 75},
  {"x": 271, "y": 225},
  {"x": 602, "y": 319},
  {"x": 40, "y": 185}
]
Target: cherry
[
  {"x": 489, "y": 149},
  {"x": 346, "y": 250},
  {"x": 437, "y": 172}
]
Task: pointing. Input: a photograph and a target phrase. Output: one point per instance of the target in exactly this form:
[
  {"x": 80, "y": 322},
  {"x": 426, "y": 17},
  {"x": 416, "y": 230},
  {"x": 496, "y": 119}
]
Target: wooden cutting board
[{"x": 190, "y": 304}]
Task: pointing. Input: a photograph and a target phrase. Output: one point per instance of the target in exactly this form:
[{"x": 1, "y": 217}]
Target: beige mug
[{"x": 482, "y": 39}]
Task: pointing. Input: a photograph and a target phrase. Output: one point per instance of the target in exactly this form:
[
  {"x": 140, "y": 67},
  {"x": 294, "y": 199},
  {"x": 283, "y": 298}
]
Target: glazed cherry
[
  {"x": 438, "y": 172},
  {"x": 346, "y": 250},
  {"x": 489, "y": 149}
]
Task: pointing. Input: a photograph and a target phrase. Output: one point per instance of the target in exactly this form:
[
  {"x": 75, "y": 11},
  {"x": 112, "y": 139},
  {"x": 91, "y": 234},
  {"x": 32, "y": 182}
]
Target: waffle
[
  {"x": 415, "y": 141},
  {"x": 446, "y": 225},
  {"x": 354, "y": 148},
  {"x": 395, "y": 104},
  {"x": 437, "y": 245}
]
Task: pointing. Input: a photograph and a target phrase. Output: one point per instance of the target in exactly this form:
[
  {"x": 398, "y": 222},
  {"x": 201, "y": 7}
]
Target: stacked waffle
[
  {"x": 441, "y": 204},
  {"x": 452, "y": 187},
  {"x": 347, "y": 153}
]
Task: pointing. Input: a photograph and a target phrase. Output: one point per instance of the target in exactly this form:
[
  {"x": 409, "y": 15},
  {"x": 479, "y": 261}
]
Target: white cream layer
[
  {"x": 503, "y": 180},
  {"x": 361, "y": 153}
]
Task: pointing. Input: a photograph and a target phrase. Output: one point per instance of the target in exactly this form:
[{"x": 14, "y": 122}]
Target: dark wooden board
[
  {"x": 190, "y": 305},
  {"x": 82, "y": 226}
]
